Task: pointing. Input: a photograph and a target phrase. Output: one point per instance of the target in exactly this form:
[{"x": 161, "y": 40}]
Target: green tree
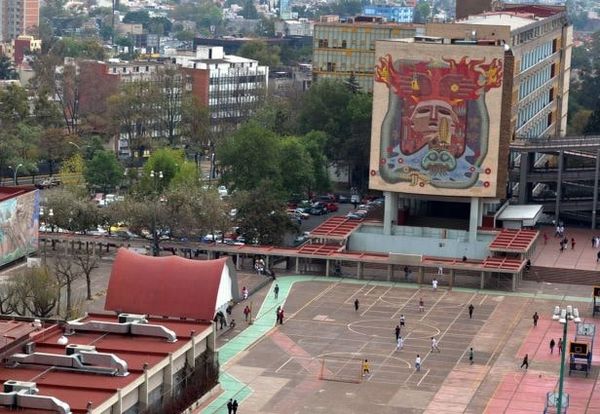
[
  {"x": 352, "y": 84},
  {"x": 249, "y": 156},
  {"x": 14, "y": 107},
  {"x": 259, "y": 50},
  {"x": 315, "y": 142},
  {"x": 249, "y": 10},
  {"x": 35, "y": 291},
  {"x": 71, "y": 171},
  {"x": 592, "y": 127},
  {"x": 103, "y": 171},
  {"x": 195, "y": 123},
  {"x": 139, "y": 17},
  {"x": 296, "y": 166},
  {"x": 205, "y": 13},
  {"x": 164, "y": 161},
  {"x": 422, "y": 12},
  {"x": 87, "y": 48},
  {"x": 71, "y": 211},
  {"x": 7, "y": 71}
]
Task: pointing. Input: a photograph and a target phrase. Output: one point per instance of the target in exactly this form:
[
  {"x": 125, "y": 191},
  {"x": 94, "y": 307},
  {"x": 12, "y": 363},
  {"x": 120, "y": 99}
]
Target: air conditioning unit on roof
[
  {"x": 72, "y": 349},
  {"x": 132, "y": 318},
  {"x": 22, "y": 387}
]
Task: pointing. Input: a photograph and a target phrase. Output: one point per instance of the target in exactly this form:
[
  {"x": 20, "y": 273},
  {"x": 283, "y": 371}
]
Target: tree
[
  {"x": 592, "y": 127},
  {"x": 87, "y": 48},
  {"x": 54, "y": 145},
  {"x": 14, "y": 107},
  {"x": 195, "y": 123},
  {"x": 170, "y": 88},
  {"x": 249, "y": 10},
  {"x": 103, "y": 171},
  {"x": 67, "y": 90},
  {"x": 7, "y": 71},
  {"x": 35, "y": 291},
  {"x": 249, "y": 156},
  {"x": 160, "y": 169},
  {"x": 72, "y": 211},
  {"x": 297, "y": 173},
  {"x": 205, "y": 13},
  {"x": 259, "y": 50},
  {"x": 422, "y": 12},
  {"x": 71, "y": 171},
  {"x": 87, "y": 261},
  {"x": 139, "y": 17},
  {"x": 315, "y": 142},
  {"x": 66, "y": 273},
  {"x": 352, "y": 84}
]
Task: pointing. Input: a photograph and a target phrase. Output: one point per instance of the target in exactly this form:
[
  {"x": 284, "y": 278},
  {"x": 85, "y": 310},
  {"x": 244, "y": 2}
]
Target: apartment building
[
  {"x": 18, "y": 17},
  {"x": 342, "y": 48}
]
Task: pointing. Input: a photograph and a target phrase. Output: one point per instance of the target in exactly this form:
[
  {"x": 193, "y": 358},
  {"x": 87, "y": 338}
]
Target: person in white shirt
[
  {"x": 418, "y": 363},
  {"x": 434, "y": 284},
  {"x": 400, "y": 344},
  {"x": 440, "y": 270},
  {"x": 434, "y": 345}
]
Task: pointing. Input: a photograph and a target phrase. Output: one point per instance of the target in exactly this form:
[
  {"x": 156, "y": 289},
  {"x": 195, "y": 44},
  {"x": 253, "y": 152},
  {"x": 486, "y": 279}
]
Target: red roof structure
[
  {"x": 538, "y": 10},
  {"x": 514, "y": 240},
  {"x": 338, "y": 227},
  {"x": 11, "y": 192},
  {"x": 498, "y": 264},
  {"x": 153, "y": 285}
]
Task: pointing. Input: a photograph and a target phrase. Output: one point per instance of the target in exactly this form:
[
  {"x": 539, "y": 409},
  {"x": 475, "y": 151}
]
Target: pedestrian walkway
[
  {"x": 583, "y": 256},
  {"x": 264, "y": 322}
]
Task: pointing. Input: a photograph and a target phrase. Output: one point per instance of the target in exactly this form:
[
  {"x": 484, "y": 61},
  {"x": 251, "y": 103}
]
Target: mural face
[
  {"x": 435, "y": 135},
  {"x": 19, "y": 224}
]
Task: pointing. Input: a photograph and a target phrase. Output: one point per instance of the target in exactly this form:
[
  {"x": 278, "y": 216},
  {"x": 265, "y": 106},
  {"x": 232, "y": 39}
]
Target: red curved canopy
[{"x": 166, "y": 286}]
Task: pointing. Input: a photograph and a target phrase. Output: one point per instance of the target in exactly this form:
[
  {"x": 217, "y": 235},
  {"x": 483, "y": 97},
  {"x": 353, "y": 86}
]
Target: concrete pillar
[
  {"x": 209, "y": 254},
  {"x": 482, "y": 211},
  {"x": 473, "y": 219},
  {"x": 238, "y": 262},
  {"x": 143, "y": 391},
  {"x": 297, "y": 265},
  {"x": 390, "y": 211},
  {"x": 190, "y": 355},
  {"x": 482, "y": 281},
  {"x": 327, "y": 267},
  {"x": 561, "y": 156},
  {"x": 267, "y": 266},
  {"x": 514, "y": 282},
  {"x": 523, "y": 170},
  {"x": 451, "y": 278},
  {"x": 421, "y": 275},
  {"x": 168, "y": 377},
  {"x": 596, "y": 175},
  {"x": 390, "y": 272},
  {"x": 359, "y": 270}
]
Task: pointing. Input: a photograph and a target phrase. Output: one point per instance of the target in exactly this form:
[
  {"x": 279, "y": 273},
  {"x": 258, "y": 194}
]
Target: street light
[
  {"x": 15, "y": 170},
  {"x": 563, "y": 315},
  {"x": 156, "y": 176},
  {"x": 75, "y": 145}
]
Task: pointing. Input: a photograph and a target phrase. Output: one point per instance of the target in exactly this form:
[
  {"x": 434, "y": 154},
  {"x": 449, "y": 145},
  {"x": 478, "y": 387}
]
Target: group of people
[
  {"x": 232, "y": 406},
  {"x": 261, "y": 268}
]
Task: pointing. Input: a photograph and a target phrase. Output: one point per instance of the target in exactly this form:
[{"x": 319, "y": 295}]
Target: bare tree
[
  {"x": 34, "y": 291},
  {"x": 87, "y": 260},
  {"x": 66, "y": 89},
  {"x": 66, "y": 272}
]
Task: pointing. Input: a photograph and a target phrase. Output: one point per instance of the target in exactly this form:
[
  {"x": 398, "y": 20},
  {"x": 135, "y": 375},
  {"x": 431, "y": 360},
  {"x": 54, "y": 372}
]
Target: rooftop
[
  {"x": 11, "y": 192},
  {"x": 514, "y": 20}
]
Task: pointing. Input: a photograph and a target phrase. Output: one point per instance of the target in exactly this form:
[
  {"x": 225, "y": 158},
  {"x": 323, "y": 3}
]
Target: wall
[
  {"x": 436, "y": 127},
  {"x": 19, "y": 224}
]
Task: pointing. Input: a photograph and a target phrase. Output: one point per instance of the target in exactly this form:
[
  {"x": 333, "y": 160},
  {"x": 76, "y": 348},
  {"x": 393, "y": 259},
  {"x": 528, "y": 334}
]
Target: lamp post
[
  {"x": 155, "y": 176},
  {"x": 75, "y": 145},
  {"x": 563, "y": 315},
  {"x": 15, "y": 171}
]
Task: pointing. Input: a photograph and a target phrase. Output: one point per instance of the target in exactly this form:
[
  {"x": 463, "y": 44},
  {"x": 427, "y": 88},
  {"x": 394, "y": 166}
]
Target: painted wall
[
  {"x": 19, "y": 225},
  {"x": 436, "y": 118}
]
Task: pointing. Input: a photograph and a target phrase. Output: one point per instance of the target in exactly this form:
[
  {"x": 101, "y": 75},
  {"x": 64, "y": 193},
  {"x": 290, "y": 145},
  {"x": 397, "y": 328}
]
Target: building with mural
[{"x": 19, "y": 223}]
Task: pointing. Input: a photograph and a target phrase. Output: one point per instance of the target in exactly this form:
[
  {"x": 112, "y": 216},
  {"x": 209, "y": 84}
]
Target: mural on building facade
[
  {"x": 19, "y": 224},
  {"x": 435, "y": 135}
]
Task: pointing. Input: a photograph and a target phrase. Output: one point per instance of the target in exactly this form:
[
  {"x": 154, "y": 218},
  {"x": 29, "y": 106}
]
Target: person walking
[
  {"x": 525, "y": 361},
  {"x": 246, "y": 313},
  {"x": 562, "y": 246},
  {"x": 434, "y": 284},
  {"x": 552, "y": 343},
  {"x": 356, "y": 305},
  {"x": 560, "y": 346},
  {"x": 406, "y": 273},
  {"x": 545, "y": 238},
  {"x": 572, "y": 243},
  {"x": 598, "y": 257},
  {"x": 365, "y": 368},
  {"x": 276, "y": 290},
  {"x": 229, "y": 406},
  {"x": 234, "y": 406},
  {"x": 245, "y": 293},
  {"x": 440, "y": 271},
  {"x": 471, "y": 308},
  {"x": 418, "y": 363},
  {"x": 471, "y": 356},
  {"x": 421, "y": 305},
  {"x": 399, "y": 343},
  {"x": 401, "y": 321},
  {"x": 536, "y": 317},
  {"x": 280, "y": 314},
  {"x": 434, "y": 345},
  {"x": 397, "y": 332}
]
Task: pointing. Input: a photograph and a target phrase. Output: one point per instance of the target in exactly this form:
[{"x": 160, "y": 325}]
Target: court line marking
[
  {"x": 375, "y": 301},
  {"x": 401, "y": 308},
  {"x": 423, "y": 377}
]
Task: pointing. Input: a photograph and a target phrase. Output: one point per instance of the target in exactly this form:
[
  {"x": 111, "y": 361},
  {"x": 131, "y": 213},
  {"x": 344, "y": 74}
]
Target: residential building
[
  {"x": 285, "y": 10},
  {"x": 16, "y": 49},
  {"x": 18, "y": 17},
  {"x": 344, "y": 48},
  {"x": 392, "y": 13},
  {"x": 300, "y": 27},
  {"x": 232, "y": 86},
  {"x": 131, "y": 359}
]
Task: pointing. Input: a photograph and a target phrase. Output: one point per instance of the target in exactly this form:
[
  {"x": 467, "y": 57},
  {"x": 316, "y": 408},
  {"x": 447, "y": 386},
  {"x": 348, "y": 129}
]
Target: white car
[{"x": 222, "y": 190}]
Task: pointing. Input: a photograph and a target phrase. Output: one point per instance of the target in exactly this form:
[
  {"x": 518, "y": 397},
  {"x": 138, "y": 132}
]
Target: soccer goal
[{"x": 347, "y": 370}]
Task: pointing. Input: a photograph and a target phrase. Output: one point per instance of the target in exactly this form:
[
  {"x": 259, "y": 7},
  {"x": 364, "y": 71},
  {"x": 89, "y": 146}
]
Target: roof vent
[
  {"x": 29, "y": 348},
  {"x": 132, "y": 328},
  {"x": 76, "y": 349},
  {"x": 20, "y": 386},
  {"x": 79, "y": 360},
  {"x": 132, "y": 318}
]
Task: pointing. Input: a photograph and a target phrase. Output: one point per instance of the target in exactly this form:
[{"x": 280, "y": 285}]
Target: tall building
[
  {"x": 18, "y": 17},
  {"x": 447, "y": 105},
  {"x": 341, "y": 49},
  {"x": 285, "y": 9},
  {"x": 398, "y": 14}
]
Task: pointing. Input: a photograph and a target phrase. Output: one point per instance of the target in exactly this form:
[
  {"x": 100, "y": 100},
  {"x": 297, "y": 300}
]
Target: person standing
[
  {"x": 234, "y": 406},
  {"x": 434, "y": 345},
  {"x": 536, "y": 317},
  {"x": 471, "y": 356},
  {"x": 245, "y": 293},
  {"x": 560, "y": 346},
  {"x": 278, "y": 313},
  {"x": 406, "y": 273},
  {"x": 525, "y": 361},
  {"x": 552, "y": 343},
  {"x": 365, "y": 368},
  {"x": 401, "y": 321},
  {"x": 418, "y": 363},
  {"x": 545, "y": 238},
  {"x": 356, "y": 305},
  {"x": 434, "y": 284},
  {"x": 440, "y": 271},
  {"x": 572, "y": 243},
  {"x": 399, "y": 343},
  {"x": 471, "y": 308},
  {"x": 229, "y": 406},
  {"x": 281, "y": 314},
  {"x": 397, "y": 332},
  {"x": 246, "y": 313},
  {"x": 276, "y": 290},
  {"x": 421, "y": 305}
]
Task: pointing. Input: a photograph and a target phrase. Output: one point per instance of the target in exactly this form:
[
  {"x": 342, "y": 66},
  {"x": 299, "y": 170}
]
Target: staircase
[{"x": 567, "y": 276}]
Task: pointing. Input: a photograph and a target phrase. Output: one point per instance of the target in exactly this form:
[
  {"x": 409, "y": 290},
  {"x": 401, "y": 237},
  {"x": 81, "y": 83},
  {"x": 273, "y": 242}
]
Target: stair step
[{"x": 569, "y": 276}]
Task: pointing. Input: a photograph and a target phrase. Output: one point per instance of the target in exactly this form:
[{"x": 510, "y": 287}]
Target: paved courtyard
[{"x": 278, "y": 369}]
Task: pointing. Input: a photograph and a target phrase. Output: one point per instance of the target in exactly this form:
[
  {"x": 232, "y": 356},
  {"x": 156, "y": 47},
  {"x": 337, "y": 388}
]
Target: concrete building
[
  {"x": 398, "y": 14},
  {"x": 18, "y": 17},
  {"x": 446, "y": 107},
  {"x": 343, "y": 48},
  {"x": 16, "y": 49},
  {"x": 19, "y": 221}
]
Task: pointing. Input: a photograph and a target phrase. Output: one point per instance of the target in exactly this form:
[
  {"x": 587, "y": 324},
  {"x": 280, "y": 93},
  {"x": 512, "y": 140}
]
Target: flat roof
[
  {"x": 503, "y": 18},
  {"x": 514, "y": 240},
  {"x": 77, "y": 388},
  {"x": 521, "y": 212},
  {"x": 11, "y": 192},
  {"x": 338, "y": 227}
]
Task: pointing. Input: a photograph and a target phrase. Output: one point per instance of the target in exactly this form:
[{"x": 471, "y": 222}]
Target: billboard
[
  {"x": 19, "y": 225},
  {"x": 436, "y": 119}
]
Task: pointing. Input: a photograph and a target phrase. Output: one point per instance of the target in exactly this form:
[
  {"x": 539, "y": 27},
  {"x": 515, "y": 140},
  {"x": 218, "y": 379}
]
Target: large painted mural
[
  {"x": 436, "y": 122},
  {"x": 19, "y": 224}
]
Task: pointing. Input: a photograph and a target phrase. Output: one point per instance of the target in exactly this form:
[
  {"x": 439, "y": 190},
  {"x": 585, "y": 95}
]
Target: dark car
[
  {"x": 343, "y": 199},
  {"x": 318, "y": 209}
]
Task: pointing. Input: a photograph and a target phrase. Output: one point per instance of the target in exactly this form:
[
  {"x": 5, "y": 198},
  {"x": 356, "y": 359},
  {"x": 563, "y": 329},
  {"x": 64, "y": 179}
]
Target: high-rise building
[
  {"x": 18, "y": 17},
  {"x": 345, "y": 48},
  {"x": 392, "y": 13},
  {"x": 285, "y": 10}
]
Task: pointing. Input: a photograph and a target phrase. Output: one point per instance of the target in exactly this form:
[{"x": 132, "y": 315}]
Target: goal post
[{"x": 347, "y": 370}]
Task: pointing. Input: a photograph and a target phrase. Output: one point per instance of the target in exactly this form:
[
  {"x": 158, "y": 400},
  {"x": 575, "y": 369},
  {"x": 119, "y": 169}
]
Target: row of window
[
  {"x": 235, "y": 80},
  {"x": 538, "y": 31},
  {"x": 530, "y": 110},
  {"x": 533, "y": 82},
  {"x": 538, "y": 54},
  {"x": 537, "y": 129}
]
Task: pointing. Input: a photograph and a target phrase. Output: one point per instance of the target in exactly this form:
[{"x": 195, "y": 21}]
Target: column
[
  {"x": 482, "y": 281},
  {"x": 523, "y": 170},
  {"x": 473, "y": 219},
  {"x": 238, "y": 262},
  {"x": 596, "y": 174},
  {"x": 559, "y": 185},
  {"x": 514, "y": 282},
  {"x": 421, "y": 275},
  {"x": 143, "y": 391},
  {"x": 390, "y": 212},
  {"x": 326, "y": 267},
  {"x": 297, "y": 265},
  {"x": 451, "y": 280},
  {"x": 168, "y": 377},
  {"x": 359, "y": 270},
  {"x": 390, "y": 272}
]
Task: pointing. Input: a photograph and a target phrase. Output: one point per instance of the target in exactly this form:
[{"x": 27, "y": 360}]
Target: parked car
[
  {"x": 301, "y": 239},
  {"x": 358, "y": 214},
  {"x": 318, "y": 209},
  {"x": 331, "y": 207},
  {"x": 299, "y": 213},
  {"x": 326, "y": 198},
  {"x": 48, "y": 183},
  {"x": 343, "y": 199},
  {"x": 222, "y": 190}
]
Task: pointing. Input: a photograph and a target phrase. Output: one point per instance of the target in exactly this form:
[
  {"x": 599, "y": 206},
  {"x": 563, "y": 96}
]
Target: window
[
  {"x": 554, "y": 45},
  {"x": 343, "y": 44}
]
